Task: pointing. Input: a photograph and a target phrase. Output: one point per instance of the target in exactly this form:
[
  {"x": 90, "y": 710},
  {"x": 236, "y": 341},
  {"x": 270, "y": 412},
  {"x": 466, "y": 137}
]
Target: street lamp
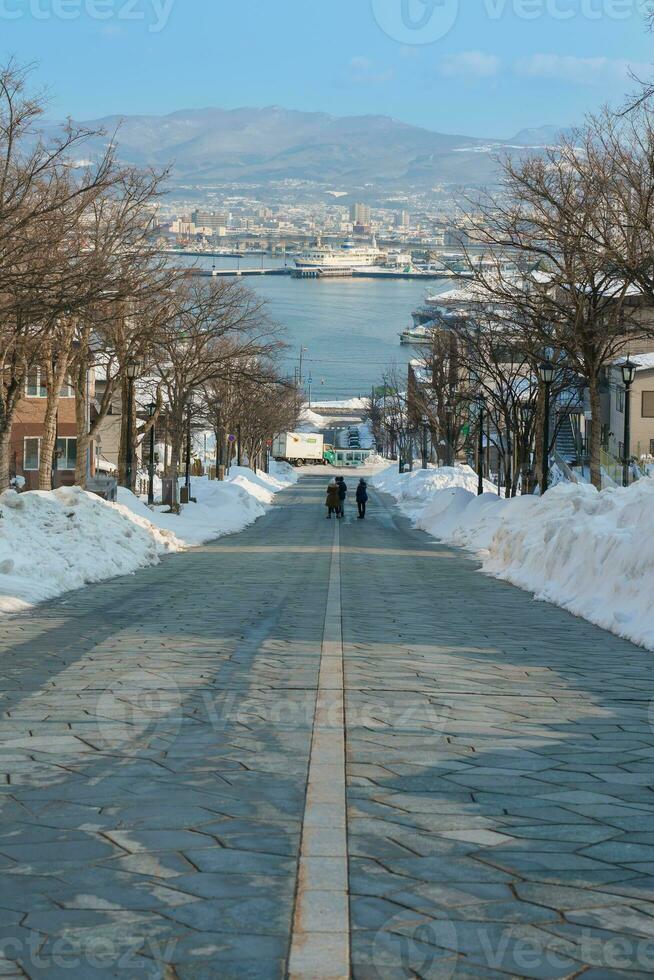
[
  {"x": 481, "y": 405},
  {"x": 449, "y": 434},
  {"x": 546, "y": 372},
  {"x": 151, "y": 409},
  {"x": 189, "y": 448},
  {"x": 133, "y": 369},
  {"x": 425, "y": 451},
  {"x": 628, "y": 377}
]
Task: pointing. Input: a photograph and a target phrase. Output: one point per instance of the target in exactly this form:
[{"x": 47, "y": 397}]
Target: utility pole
[
  {"x": 480, "y": 452},
  {"x": 188, "y": 452}
]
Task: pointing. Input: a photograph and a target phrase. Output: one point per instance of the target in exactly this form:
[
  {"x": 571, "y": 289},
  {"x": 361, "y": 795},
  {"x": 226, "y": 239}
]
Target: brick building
[{"x": 27, "y": 431}]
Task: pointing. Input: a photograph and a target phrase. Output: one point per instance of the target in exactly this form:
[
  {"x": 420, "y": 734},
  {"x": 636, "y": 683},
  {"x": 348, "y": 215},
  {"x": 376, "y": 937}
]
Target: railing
[
  {"x": 611, "y": 466},
  {"x": 565, "y": 468}
]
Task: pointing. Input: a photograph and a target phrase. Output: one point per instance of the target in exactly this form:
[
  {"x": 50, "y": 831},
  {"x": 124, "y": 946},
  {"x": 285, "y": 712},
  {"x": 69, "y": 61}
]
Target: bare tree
[
  {"x": 43, "y": 191},
  {"x": 219, "y": 328},
  {"x": 569, "y": 297}
]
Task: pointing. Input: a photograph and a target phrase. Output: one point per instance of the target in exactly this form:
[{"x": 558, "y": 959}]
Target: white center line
[{"x": 320, "y": 944}]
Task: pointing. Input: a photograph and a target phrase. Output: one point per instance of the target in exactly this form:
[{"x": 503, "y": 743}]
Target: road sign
[{"x": 231, "y": 438}]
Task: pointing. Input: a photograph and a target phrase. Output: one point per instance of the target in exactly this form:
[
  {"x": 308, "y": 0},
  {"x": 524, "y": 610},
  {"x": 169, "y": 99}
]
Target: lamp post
[
  {"x": 481, "y": 405},
  {"x": 425, "y": 449},
  {"x": 132, "y": 370},
  {"x": 448, "y": 435},
  {"x": 546, "y": 372},
  {"x": 187, "y": 480},
  {"x": 151, "y": 409},
  {"x": 628, "y": 377}
]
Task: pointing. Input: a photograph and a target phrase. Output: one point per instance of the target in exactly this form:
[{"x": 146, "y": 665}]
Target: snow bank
[
  {"x": 52, "y": 542},
  {"x": 311, "y": 421},
  {"x": 584, "y": 550},
  {"x": 343, "y": 403}
]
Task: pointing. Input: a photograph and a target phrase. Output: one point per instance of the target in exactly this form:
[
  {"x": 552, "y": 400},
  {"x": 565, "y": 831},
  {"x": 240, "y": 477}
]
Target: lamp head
[
  {"x": 151, "y": 408},
  {"x": 134, "y": 367},
  {"x": 547, "y": 371},
  {"x": 629, "y": 372}
]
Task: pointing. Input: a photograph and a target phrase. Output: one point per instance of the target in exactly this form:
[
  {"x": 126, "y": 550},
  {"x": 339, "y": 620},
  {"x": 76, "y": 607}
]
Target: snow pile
[
  {"x": 311, "y": 421},
  {"x": 584, "y": 550},
  {"x": 222, "y": 507},
  {"x": 52, "y": 542},
  {"x": 343, "y": 403},
  {"x": 415, "y": 488}
]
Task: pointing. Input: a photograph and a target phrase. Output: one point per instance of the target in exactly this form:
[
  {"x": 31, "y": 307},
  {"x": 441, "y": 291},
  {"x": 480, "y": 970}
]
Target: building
[
  {"x": 642, "y": 409},
  {"x": 27, "y": 432},
  {"x": 215, "y": 221},
  {"x": 182, "y": 226},
  {"x": 360, "y": 214},
  {"x": 402, "y": 220}
]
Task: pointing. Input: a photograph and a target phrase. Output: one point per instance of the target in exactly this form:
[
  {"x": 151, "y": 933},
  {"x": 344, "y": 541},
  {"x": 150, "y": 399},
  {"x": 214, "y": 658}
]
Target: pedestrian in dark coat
[
  {"x": 362, "y": 498},
  {"x": 332, "y": 502},
  {"x": 342, "y": 493}
]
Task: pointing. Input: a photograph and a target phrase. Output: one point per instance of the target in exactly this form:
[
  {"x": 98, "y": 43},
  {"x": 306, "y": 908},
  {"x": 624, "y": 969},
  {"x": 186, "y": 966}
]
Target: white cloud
[
  {"x": 470, "y": 64},
  {"x": 363, "y": 71},
  {"x": 582, "y": 71}
]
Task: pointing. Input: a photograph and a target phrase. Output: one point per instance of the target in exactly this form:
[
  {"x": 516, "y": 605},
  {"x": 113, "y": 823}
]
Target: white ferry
[{"x": 350, "y": 255}]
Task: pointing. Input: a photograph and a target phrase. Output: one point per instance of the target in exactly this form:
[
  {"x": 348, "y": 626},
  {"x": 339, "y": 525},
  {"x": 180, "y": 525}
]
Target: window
[
  {"x": 33, "y": 386},
  {"x": 31, "y": 453},
  {"x": 647, "y": 411},
  {"x": 66, "y": 454},
  {"x": 619, "y": 399}
]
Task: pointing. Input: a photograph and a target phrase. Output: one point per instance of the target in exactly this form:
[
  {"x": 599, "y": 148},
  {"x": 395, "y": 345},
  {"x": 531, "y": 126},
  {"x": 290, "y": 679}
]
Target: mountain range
[{"x": 256, "y": 146}]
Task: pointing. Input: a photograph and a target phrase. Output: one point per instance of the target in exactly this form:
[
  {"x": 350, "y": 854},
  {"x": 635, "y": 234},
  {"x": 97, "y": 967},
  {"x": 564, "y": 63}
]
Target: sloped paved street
[{"x": 158, "y": 734}]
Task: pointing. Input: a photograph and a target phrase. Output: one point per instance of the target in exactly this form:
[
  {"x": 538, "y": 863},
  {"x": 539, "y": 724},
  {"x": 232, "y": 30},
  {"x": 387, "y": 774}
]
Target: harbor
[
  {"x": 336, "y": 273},
  {"x": 348, "y": 326}
]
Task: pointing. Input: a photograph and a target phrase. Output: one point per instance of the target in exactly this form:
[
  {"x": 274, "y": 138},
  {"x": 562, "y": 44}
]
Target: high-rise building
[
  {"x": 211, "y": 219},
  {"x": 360, "y": 214},
  {"x": 402, "y": 220}
]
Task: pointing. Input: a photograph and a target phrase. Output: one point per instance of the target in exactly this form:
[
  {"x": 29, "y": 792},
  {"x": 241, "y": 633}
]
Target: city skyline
[{"x": 488, "y": 71}]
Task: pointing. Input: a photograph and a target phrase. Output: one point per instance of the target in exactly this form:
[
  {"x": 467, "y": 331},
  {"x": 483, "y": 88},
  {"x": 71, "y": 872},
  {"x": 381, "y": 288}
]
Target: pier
[
  {"x": 211, "y": 273},
  {"x": 315, "y": 273}
]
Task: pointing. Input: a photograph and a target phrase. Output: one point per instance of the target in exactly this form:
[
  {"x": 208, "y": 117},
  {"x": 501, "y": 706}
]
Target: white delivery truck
[{"x": 298, "y": 448}]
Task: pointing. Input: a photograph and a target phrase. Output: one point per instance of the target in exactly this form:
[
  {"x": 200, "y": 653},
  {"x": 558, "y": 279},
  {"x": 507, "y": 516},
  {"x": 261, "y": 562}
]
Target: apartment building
[{"x": 27, "y": 431}]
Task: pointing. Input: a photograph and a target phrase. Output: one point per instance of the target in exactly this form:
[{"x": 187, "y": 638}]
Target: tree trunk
[
  {"x": 5, "y": 463},
  {"x": 55, "y": 376},
  {"x": 81, "y": 420},
  {"x": 595, "y": 432}
]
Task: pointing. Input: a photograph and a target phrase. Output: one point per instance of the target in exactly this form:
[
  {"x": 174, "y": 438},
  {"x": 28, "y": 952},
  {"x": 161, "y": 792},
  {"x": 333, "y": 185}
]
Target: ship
[{"x": 350, "y": 255}]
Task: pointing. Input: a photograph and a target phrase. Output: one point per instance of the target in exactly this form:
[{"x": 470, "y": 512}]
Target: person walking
[
  {"x": 342, "y": 494},
  {"x": 362, "y": 498},
  {"x": 333, "y": 502}
]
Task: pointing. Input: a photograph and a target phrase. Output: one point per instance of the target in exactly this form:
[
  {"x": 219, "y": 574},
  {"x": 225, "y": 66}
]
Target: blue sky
[{"x": 479, "y": 67}]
